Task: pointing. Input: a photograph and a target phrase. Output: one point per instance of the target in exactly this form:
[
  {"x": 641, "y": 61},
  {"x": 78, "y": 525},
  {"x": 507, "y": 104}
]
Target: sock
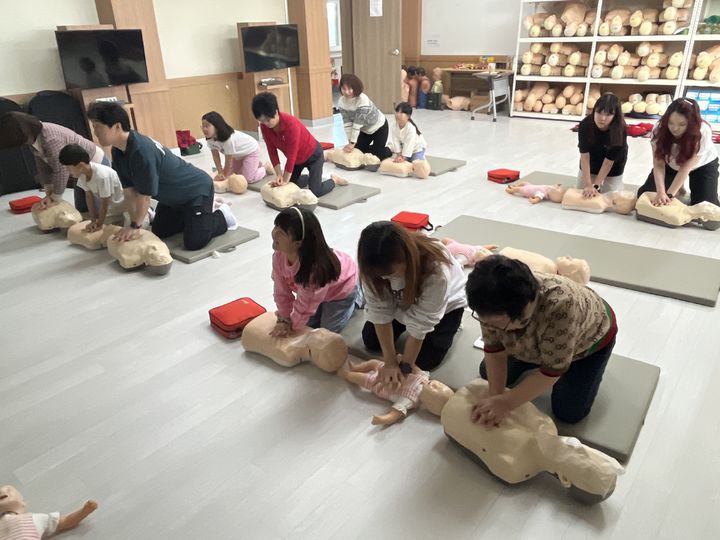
[{"x": 230, "y": 218}]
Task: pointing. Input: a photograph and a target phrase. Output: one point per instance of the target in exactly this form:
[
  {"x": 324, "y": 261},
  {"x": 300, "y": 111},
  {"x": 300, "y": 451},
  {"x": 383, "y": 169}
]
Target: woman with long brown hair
[
  {"x": 412, "y": 284},
  {"x": 683, "y": 149}
]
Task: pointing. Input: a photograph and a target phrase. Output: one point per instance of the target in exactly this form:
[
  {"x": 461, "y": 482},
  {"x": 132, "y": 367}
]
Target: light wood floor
[{"x": 113, "y": 386}]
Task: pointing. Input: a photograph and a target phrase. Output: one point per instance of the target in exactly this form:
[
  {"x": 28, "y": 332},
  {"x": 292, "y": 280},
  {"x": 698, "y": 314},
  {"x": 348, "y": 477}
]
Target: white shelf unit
[
  {"x": 678, "y": 86},
  {"x": 705, "y": 40}
]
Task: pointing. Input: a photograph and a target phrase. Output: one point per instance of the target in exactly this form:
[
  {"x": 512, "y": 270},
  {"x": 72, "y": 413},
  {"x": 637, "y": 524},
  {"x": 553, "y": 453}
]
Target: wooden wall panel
[
  {"x": 191, "y": 97},
  {"x": 411, "y": 31}
]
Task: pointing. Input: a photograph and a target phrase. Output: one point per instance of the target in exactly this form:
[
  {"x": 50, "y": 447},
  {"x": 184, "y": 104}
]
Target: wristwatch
[
  {"x": 134, "y": 225},
  {"x": 670, "y": 195},
  {"x": 597, "y": 187}
]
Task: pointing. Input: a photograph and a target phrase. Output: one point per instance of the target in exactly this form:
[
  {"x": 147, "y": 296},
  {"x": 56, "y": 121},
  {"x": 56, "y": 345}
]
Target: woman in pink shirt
[{"x": 314, "y": 285}]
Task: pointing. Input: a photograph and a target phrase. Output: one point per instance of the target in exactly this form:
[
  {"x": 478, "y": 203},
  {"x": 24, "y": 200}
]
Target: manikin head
[
  {"x": 265, "y": 109},
  {"x": 326, "y": 349},
  {"x": 556, "y": 193},
  {"x": 110, "y": 122},
  {"x": 623, "y": 202},
  {"x": 434, "y": 395},
  {"x": 436, "y": 74},
  {"x": 577, "y": 270},
  {"x": 11, "y": 500}
]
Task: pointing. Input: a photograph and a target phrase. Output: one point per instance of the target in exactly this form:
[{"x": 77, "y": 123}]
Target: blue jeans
[
  {"x": 417, "y": 155},
  {"x": 335, "y": 315}
]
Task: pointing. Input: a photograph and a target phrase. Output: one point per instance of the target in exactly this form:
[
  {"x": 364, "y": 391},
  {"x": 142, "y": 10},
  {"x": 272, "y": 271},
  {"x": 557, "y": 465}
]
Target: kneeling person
[
  {"x": 147, "y": 169},
  {"x": 101, "y": 184},
  {"x": 562, "y": 331}
]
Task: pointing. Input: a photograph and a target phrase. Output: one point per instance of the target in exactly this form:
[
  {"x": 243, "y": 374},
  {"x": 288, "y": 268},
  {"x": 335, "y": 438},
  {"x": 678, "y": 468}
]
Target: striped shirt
[
  {"x": 51, "y": 140},
  {"x": 360, "y": 115},
  {"x": 28, "y": 526},
  {"x": 299, "y": 303},
  {"x": 566, "y": 322}
]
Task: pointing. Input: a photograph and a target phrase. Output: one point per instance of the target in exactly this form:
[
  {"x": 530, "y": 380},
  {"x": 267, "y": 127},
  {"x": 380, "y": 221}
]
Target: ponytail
[{"x": 405, "y": 108}]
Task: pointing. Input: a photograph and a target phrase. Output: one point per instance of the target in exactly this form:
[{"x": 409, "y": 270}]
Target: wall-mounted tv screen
[
  {"x": 98, "y": 58},
  {"x": 270, "y": 47}
]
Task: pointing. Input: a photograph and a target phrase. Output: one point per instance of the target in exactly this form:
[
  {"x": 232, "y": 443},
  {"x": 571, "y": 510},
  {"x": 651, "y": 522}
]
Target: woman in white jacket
[{"x": 412, "y": 284}]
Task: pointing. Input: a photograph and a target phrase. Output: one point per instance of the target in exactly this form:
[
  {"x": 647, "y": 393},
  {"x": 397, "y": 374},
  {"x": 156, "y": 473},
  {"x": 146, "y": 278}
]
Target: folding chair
[{"x": 498, "y": 89}]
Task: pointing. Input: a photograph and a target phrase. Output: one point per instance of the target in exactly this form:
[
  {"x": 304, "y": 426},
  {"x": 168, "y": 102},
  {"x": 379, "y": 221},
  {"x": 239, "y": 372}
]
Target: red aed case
[
  {"x": 230, "y": 319},
  {"x": 24, "y": 205},
  {"x": 413, "y": 221},
  {"x": 327, "y": 145},
  {"x": 503, "y": 176}
]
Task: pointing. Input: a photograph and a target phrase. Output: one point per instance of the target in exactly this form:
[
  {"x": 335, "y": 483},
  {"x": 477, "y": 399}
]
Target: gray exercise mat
[
  {"x": 342, "y": 196},
  {"x": 631, "y": 267},
  {"x": 542, "y": 178},
  {"x": 257, "y": 186},
  {"x": 618, "y": 413},
  {"x": 224, "y": 242},
  {"x": 439, "y": 165}
]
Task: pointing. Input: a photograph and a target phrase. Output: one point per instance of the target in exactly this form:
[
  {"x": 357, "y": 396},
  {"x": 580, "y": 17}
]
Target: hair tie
[{"x": 302, "y": 221}]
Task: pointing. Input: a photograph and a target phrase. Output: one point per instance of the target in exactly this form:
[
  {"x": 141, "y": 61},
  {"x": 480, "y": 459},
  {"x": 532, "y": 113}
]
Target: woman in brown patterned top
[{"x": 561, "y": 332}]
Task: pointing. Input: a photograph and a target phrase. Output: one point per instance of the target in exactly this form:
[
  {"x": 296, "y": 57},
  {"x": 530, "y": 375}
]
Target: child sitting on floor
[
  {"x": 103, "y": 190},
  {"x": 406, "y": 141}
]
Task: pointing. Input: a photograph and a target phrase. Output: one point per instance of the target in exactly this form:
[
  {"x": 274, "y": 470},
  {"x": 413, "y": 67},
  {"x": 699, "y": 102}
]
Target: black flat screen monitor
[
  {"x": 99, "y": 58},
  {"x": 270, "y": 47}
]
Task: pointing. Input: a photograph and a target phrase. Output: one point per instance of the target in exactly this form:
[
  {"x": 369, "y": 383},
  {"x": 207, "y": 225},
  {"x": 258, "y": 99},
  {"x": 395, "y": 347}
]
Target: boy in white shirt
[{"x": 103, "y": 190}]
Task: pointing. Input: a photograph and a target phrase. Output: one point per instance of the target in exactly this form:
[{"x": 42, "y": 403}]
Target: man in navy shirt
[{"x": 148, "y": 170}]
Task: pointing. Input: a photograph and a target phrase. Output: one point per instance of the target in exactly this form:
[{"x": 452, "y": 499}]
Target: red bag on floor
[
  {"x": 230, "y": 319},
  {"x": 24, "y": 205},
  {"x": 413, "y": 221},
  {"x": 503, "y": 176}
]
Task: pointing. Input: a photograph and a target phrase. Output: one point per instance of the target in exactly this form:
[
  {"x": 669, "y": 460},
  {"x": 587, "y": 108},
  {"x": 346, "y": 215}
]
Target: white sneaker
[
  {"x": 230, "y": 218},
  {"x": 151, "y": 214}
]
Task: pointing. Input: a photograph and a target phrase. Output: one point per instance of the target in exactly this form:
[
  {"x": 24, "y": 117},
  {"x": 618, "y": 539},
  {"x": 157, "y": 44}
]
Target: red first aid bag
[
  {"x": 503, "y": 176},
  {"x": 229, "y": 319},
  {"x": 413, "y": 221},
  {"x": 24, "y": 205}
]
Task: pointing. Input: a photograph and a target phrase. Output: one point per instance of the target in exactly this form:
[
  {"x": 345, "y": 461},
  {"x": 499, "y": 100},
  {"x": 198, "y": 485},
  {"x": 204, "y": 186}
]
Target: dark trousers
[
  {"x": 703, "y": 182},
  {"x": 435, "y": 345},
  {"x": 314, "y": 180},
  {"x": 574, "y": 393},
  {"x": 196, "y": 220},
  {"x": 375, "y": 143}
]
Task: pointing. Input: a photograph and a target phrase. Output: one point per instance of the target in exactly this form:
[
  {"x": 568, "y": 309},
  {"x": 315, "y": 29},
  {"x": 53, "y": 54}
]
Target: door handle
[{"x": 395, "y": 52}]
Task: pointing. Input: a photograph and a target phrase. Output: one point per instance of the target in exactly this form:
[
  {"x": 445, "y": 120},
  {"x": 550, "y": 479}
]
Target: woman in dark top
[{"x": 602, "y": 141}]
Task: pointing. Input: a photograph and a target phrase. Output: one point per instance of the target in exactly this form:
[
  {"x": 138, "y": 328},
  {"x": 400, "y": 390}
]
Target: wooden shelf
[
  {"x": 649, "y": 82},
  {"x": 561, "y": 39},
  {"x": 551, "y": 79},
  {"x": 701, "y": 84},
  {"x": 620, "y": 39}
]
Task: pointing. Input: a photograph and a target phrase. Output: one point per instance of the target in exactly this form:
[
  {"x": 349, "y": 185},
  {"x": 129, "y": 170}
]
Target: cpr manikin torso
[
  {"x": 146, "y": 250},
  {"x": 354, "y": 160},
  {"x": 287, "y": 195},
  {"x": 416, "y": 388},
  {"x": 621, "y": 202},
  {"x": 326, "y": 349},
  {"x": 677, "y": 214},
  {"x": 60, "y": 215},
  {"x": 235, "y": 183},
  {"x": 527, "y": 443},
  {"x": 576, "y": 269}
]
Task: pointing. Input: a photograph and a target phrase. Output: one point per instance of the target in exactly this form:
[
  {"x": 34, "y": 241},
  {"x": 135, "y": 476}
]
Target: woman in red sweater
[{"x": 286, "y": 133}]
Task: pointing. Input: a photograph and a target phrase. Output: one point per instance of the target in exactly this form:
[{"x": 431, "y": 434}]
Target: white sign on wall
[{"x": 376, "y": 8}]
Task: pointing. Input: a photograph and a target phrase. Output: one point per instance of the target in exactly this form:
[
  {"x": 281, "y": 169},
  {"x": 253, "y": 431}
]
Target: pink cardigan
[{"x": 300, "y": 303}]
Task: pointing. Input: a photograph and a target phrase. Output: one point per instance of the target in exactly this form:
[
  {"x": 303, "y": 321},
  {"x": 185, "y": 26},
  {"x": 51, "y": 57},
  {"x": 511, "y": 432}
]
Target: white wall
[
  {"x": 29, "y": 60},
  {"x": 469, "y": 27},
  {"x": 200, "y": 37}
]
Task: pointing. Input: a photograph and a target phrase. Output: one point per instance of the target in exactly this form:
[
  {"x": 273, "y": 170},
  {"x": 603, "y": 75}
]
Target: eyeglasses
[{"x": 489, "y": 325}]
